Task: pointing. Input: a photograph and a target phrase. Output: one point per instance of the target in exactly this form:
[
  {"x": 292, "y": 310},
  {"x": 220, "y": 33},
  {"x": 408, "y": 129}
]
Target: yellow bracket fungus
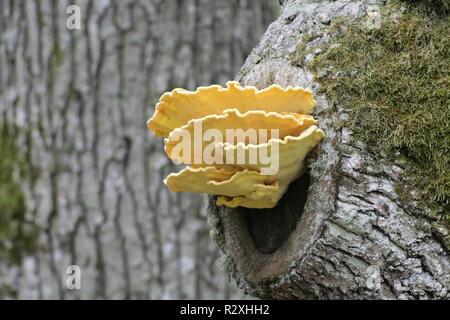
[{"x": 244, "y": 145}]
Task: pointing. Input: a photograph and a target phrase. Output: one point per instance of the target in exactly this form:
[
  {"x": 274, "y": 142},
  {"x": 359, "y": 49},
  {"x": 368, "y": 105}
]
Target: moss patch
[
  {"x": 395, "y": 84},
  {"x": 439, "y": 5},
  {"x": 17, "y": 236}
]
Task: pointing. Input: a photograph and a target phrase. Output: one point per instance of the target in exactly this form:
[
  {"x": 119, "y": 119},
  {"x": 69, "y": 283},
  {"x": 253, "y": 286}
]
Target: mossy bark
[
  {"x": 18, "y": 235},
  {"x": 346, "y": 227}
]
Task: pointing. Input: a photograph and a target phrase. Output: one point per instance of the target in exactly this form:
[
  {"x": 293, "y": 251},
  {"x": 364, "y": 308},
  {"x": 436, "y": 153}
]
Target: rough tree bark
[
  {"x": 345, "y": 215},
  {"x": 78, "y": 102}
]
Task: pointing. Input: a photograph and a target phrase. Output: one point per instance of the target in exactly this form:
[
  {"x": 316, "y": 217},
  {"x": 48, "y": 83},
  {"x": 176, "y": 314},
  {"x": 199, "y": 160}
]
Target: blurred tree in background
[{"x": 81, "y": 176}]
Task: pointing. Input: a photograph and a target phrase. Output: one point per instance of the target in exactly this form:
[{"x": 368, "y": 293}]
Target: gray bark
[
  {"x": 79, "y": 100},
  {"x": 331, "y": 229}
]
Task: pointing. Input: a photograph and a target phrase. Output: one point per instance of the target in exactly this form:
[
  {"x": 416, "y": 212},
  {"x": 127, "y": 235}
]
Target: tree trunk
[
  {"x": 77, "y": 102},
  {"x": 341, "y": 230}
]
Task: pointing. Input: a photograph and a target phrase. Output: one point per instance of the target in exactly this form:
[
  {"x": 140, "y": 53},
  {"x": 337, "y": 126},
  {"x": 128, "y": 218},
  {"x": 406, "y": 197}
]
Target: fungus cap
[
  {"x": 235, "y": 177},
  {"x": 176, "y": 108}
]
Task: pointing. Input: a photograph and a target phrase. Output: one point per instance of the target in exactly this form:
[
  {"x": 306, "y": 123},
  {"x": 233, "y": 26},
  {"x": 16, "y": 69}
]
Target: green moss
[
  {"x": 298, "y": 56},
  {"x": 437, "y": 5},
  {"x": 395, "y": 84},
  {"x": 57, "y": 57},
  {"x": 17, "y": 236}
]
